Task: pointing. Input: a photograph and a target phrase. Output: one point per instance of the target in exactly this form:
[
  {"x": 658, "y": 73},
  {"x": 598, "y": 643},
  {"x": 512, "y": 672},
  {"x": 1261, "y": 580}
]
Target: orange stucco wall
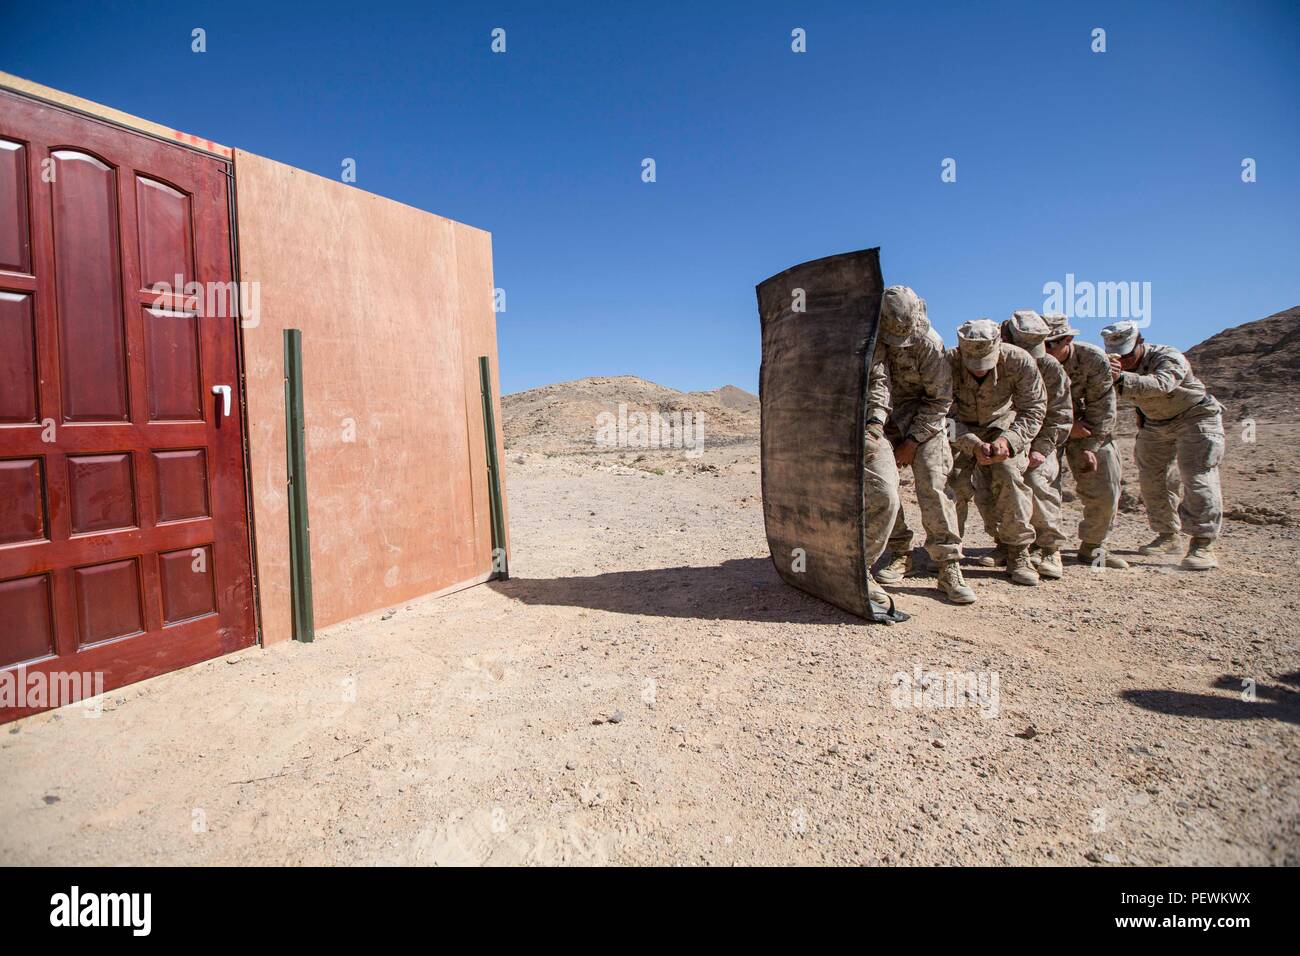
[{"x": 395, "y": 306}]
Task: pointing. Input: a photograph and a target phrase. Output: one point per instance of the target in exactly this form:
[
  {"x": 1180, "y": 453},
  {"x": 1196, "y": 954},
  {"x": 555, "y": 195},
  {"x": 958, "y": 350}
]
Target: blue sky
[{"x": 1115, "y": 166}]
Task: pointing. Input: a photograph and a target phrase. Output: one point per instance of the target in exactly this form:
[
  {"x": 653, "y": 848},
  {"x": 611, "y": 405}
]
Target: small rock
[
  {"x": 617, "y": 718},
  {"x": 50, "y": 798}
]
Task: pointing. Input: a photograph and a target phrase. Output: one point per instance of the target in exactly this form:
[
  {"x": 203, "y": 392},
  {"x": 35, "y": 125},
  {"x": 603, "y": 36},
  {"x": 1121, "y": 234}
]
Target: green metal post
[
  {"x": 500, "y": 564},
  {"x": 304, "y": 625}
]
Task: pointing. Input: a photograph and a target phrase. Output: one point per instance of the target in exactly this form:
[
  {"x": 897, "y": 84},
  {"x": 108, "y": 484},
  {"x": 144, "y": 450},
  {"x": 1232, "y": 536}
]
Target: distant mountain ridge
[
  {"x": 1254, "y": 369},
  {"x": 733, "y": 397},
  {"x": 564, "y": 417}
]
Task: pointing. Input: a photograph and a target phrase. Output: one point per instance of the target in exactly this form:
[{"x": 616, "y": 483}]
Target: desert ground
[{"x": 645, "y": 690}]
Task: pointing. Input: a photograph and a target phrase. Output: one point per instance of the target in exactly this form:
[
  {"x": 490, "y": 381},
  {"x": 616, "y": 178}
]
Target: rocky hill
[
  {"x": 732, "y": 397},
  {"x": 1254, "y": 369},
  {"x": 565, "y": 417}
]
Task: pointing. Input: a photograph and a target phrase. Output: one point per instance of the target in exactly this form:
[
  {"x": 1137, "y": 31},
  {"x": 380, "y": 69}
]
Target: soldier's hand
[
  {"x": 1090, "y": 461},
  {"x": 1115, "y": 367},
  {"x": 905, "y": 452},
  {"x": 990, "y": 453},
  {"x": 1036, "y": 458},
  {"x": 1080, "y": 430}
]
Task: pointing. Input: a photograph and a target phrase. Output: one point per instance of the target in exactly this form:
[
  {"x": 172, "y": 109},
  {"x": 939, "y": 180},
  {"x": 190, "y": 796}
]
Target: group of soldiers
[{"x": 995, "y": 418}]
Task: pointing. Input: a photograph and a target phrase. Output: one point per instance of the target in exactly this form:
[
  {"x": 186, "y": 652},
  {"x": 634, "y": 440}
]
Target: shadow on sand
[
  {"x": 1271, "y": 702},
  {"x": 743, "y": 589}
]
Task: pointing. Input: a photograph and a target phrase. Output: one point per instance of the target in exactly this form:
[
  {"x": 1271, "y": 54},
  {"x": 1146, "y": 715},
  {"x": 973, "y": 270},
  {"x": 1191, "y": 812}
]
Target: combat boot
[
  {"x": 954, "y": 585},
  {"x": 898, "y": 567},
  {"x": 1161, "y": 544},
  {"x": 875, "y": 592},
  {"x": 1099, "y": 557},
  {"x": 1049, "y": 565},
  {"x": 996, "y": 558},
  {"x": 1019, "y": 567},
  {"x": 1200, "y": 555}
]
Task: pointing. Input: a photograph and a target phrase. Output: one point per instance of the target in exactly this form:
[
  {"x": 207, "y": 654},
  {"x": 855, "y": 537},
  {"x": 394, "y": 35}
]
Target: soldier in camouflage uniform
[
  {"x": 1179, "y": 421},
  {"x": 1093, "y": 458},
  {"x": 880, "y": 475},
  {"x": 999, "y": 404},
  {"x": 1027, "y": 330},
  {"x": 920, "y": 384}
]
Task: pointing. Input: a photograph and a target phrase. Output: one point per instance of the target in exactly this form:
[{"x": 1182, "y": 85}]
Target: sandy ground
[{"x": 646, "y": 690}]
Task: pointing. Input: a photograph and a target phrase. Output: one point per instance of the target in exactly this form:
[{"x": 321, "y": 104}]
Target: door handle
[{"x": 224, "y": 392}]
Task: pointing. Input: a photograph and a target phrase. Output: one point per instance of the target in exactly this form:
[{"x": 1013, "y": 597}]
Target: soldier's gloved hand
[
  {"x": 1080, "y": 430},
  {"x": 1089, "y": 461},
  {"x": 1036, "y": 458},
  {"x": 905, "y": 452}
]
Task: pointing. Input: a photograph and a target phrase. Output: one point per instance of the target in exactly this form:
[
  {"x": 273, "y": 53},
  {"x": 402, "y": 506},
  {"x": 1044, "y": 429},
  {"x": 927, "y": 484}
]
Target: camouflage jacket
[
  {"x": 920, "y": 384},
  {"x": 1055, "y": 430},
  {"x": 1093, "y": 391},
  {"x": 1009, "y": 402},
  {"x": 1163, "y": 385},
  {"x": 878, "y": 391}
]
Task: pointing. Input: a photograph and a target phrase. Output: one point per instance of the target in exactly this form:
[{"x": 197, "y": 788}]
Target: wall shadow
[
  {"x": 1271, "y": 702},
  {"x": 743, "y": 589}
]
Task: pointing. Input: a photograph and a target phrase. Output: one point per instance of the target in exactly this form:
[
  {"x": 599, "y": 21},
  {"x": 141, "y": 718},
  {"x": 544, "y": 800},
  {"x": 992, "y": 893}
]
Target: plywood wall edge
[
  {"x": 17, "y": 84},
  {"x": 369, "y": 196}
]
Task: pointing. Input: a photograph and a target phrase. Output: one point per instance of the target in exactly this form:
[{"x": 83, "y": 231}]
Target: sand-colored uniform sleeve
[
  {"x": 878, "y": 399},
  {"x": 1028, "y": 398},
  {"x": 964, "y": 439},
  {"x": 1055, "y": 430},
  {"x": 1100, "y": 407},
  {"x": 1169, "y": 368},
  {"x": 936, "y": 372}
]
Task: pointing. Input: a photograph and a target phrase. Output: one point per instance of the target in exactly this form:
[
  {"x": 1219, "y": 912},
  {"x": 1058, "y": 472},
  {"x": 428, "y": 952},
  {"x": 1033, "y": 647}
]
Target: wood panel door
[{"x": 124, "y": 547}]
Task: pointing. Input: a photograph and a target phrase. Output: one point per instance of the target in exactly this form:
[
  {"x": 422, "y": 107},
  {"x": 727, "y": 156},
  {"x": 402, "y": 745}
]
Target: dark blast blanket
[{"x": 813, "y": 386}]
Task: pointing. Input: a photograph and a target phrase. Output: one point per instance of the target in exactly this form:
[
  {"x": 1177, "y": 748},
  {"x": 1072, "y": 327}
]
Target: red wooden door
[{"x": 124, "y": 546}]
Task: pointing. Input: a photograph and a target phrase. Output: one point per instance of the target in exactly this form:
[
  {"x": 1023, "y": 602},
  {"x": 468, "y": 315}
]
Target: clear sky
[{"x": 1122, "y": 166}]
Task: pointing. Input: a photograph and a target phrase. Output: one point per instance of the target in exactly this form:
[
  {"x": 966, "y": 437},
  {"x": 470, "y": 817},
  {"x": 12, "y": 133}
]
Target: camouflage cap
[
  {"x": 1120, "y": 337},
  {"x": 979, "y": 342},
  {"x": 1029, "y": 331},
  {"x": 902, "y": 313},
  {"x": 1060, "y": 325}
]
